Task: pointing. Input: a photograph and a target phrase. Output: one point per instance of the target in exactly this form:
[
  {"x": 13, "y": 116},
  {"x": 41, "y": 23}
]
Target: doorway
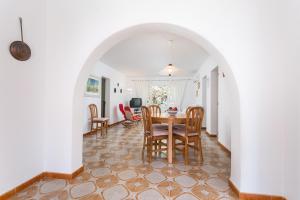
[
  {"x": 214, "y": 75},
  {"x": 204, "y": 99},
  {"x": 105, "y": 96}
]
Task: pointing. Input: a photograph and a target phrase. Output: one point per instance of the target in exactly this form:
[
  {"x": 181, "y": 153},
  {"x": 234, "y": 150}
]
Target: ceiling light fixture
[{"x": 170, "y": 67}]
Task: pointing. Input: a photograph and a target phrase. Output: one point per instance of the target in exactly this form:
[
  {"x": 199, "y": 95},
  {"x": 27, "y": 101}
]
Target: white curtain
[
  {"x": 142, "y": 89},
  {"x": 176, "y": 91}
]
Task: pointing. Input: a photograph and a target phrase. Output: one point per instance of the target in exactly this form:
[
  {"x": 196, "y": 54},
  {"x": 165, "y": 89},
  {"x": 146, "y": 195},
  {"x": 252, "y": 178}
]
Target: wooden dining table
[{"x": 179, "y": 118}]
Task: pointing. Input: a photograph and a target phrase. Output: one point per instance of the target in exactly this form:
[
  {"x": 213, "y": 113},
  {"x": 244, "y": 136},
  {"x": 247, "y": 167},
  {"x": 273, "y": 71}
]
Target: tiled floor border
[{"x": 38, "y": 178}]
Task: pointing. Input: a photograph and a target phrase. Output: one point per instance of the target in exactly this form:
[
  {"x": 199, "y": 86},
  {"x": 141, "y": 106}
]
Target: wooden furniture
[
  {"x": 179, "y": 118},
  {"x": 129, "y": 118},
  {"x": 153, "y": 135},
  {"x": 191, "y": 134},
  {"x": 95, "y": 120},
  {"x": 181, "y": 126},
  {"x": 155, "y": 110}
]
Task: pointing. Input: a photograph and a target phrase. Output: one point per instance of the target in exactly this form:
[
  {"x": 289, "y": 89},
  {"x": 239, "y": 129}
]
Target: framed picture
[{"x": 92, "y": 86}]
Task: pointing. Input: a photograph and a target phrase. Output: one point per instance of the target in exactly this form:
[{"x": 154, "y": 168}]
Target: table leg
[
  {"x": 170, "y": 140},
  {"x": 106, "y": 127},
  {"x": 102, "y": 126}
]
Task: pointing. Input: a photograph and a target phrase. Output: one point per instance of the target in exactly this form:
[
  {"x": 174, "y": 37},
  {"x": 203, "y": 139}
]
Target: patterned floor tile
[
  {"x": 186, "y": 181},
  {"x": 150, "y": 194},
  {"x": 114, "y": 169},
  {"x": 52, "y": 186},
  {"x": 82, "y": 189},
  {"x": 155, "y": 177},
  {"x": 116, "y": 192},
  {"x": 127, "y": 174}
]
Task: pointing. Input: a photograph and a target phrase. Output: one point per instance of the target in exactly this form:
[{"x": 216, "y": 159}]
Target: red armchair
[{"x": 129, "y": 117}]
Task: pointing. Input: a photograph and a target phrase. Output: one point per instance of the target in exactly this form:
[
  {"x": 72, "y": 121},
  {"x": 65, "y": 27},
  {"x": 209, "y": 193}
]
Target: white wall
[
  {"x": 292, "y": 96},
  {"x": 102, "y": 70},
  {"x": 22, "y": 106},
  {"x": 252, "y": 36},
  {"x": 226, "y": 107},
  {"x": 214, "y": 77},
  {"x": 243, "y": 31}
]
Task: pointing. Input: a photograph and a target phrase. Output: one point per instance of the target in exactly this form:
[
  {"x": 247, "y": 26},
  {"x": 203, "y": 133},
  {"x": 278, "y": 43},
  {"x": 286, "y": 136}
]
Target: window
[{"x": 159, "y": 96}]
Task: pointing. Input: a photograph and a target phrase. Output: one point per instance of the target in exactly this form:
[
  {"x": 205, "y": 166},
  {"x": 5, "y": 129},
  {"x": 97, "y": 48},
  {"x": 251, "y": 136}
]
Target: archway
[{"x": 101, "y": 49}]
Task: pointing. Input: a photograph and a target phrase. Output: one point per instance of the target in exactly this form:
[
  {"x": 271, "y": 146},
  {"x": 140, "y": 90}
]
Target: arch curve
[{"x": 115, "y": 38}]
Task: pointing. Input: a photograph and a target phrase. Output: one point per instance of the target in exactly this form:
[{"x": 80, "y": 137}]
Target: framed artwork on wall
[{"x": 92, "y": 87}]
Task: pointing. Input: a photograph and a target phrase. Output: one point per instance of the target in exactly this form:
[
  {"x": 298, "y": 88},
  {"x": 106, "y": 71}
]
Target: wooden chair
[
  {"x": 153, "y": 135},
  {"x": 182, "y": 126},
  {"x": 95, "y": 120},
  {"x": 191, "y": 133},
  {"x": 155, "y": 110}
]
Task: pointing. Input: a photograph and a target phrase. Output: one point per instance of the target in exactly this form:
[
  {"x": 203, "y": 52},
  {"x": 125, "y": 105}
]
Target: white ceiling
[{"x": 147, "y": 54}]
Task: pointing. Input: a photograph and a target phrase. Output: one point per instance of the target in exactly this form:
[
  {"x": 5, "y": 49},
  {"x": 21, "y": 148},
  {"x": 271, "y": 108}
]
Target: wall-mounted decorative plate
[{"x": 19, "y": 49}]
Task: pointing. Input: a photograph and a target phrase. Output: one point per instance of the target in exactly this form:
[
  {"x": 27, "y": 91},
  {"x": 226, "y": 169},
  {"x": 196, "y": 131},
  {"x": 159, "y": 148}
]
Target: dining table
[{"x": 179, "y": 118}]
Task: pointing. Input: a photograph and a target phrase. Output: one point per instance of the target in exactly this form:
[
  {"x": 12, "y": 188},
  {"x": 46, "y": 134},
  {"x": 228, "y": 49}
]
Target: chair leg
[
  {"x": 186, "y": 153},
  {"x": 150, "y": 146},
  {"x": 106, "y": 127},
  {"x": 195, "y": 147},
  {"x": 97, "y": 130},
  {"x": 200, "y": 149},
  {"x": 92, "y": 123},
  {"x": 174, "y": 147},
  {"x": 144, "y": 146},
  {"x": 159, "y": 147}
]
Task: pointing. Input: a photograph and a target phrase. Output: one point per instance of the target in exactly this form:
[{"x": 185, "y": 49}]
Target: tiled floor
[{"x": 114, "y": 170}]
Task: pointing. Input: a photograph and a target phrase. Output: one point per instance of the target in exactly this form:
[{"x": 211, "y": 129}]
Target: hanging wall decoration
[
  {"x": 197, "y": 83},
  {"x": 19, "y": 49}
]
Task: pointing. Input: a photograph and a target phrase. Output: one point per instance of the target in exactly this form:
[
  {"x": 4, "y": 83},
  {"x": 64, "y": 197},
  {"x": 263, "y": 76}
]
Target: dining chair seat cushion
[
  {"x": 160, "y": 126},
  {"x": 179, "y": 126},
  {"x": 160, "y": 132},
  {"x": 181, "y": 132}
]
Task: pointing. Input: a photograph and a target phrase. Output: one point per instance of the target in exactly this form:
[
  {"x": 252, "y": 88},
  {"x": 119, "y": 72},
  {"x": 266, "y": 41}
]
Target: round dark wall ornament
[{"x": 19, "y": 49}]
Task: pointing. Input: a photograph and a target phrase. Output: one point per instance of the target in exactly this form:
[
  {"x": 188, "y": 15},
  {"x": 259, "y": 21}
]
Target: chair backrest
[
  {"x": 194, "y": 118},
  {"x": 93, "y": 111},
  {"x": 121, "y": 108},
  {"x": 155, "y": 110},
  {"x": 188, "y": 108},
  {"x": 147, "y": 121},
  {"x": 127, "y": 108}
]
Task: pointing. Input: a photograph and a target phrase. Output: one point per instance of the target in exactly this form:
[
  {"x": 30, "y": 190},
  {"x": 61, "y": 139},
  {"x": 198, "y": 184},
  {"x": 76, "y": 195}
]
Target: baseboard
[
  {"x": 233, "y": 187},
  {"x": 21, "y": 187},
  {"x": 63, "y": 175},
  {"x": 109, "y": 125},
  {"x": 116, "y": 123},
  {"x": 224, "y": 148},
  {"x": 42, "y": 175},
  {"x": 210, "y": 134},
  {"x": 248, "y": 196},
  {"x": 89, "y": 133}
]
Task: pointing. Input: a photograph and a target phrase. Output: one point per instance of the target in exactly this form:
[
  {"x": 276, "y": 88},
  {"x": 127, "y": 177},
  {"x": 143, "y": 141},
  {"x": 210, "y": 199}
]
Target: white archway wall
[
  {"x": 197, "y": 39},
  {"x": 240, "y": 30},
  {"x": 227, "y": 107},
  {"x": 244, "y": 32},
  {"x": 22, "y": 102}
]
